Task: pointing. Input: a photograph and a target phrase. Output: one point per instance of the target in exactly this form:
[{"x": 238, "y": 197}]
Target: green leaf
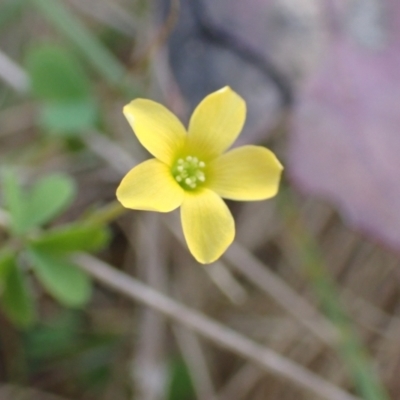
[
  {"x": 7, "y": 260},
  {"x": 9, "y": 11},
  {"x": 14, "y": 201},
  {"x": 69, "y": 118},
  {"x": 49, "y": 197},
  {"x": 16, "y": 299},
  {"x": 57, "y": 337},
  {"x": 180, "y": 385},
  {"x": 98, "y": 55},
  {"x": 71, "y": 238},
  {"x": 59, "y": 81},
  {"x": 60, "y": 277},
  {"x": 56, "y": 75}
]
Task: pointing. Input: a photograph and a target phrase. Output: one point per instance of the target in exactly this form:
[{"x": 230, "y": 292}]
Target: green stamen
[{"x": 189, "y": 172}]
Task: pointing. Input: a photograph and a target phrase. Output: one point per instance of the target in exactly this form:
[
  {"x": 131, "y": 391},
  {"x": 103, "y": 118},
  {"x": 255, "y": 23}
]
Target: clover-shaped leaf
[
  {"x": 63, "y": 89},
  {"x": 45, "y": 200},
  {"x": 49, "y": 197},
  {"x": 60, "y": 277}
]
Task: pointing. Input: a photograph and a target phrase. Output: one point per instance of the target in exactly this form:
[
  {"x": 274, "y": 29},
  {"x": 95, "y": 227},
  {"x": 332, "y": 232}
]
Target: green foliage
[
  {"x": 101, "y": 59},
  {"x": 60, "y": 277},
  {"x": 60, "y": 83},
  {"x": 16, "y": 301},
  {"x": 9, "y": 10},
  {"x": 49, "y": 255},
  {"x": 69, "y": 118},
  {"x": 6, "y": 264},
  {"x": 181, "y": 386},
  {"x": 74, "y": 237},
  {"x": 54, "y": 338},
  {"x": 47, "y": 251},
  {"x": 14, "y": 201},
  {"x": 56, "y": 75},
  {"x": 46, "y": 199},
  {"x": 65, "y": 341}
]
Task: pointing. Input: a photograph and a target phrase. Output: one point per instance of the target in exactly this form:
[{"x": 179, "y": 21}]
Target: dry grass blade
[
  {"x": 227, "y": 283},
  {"x": 149, "y": 369},
  {"x": 109, "y": 13},
  {"x": 256, "y": 272},
  {"x": 241, "y": 383},
  {"x": 13, "y": 74},
  {"x": 219, "y": 334},
  {"x": 192, "y": 353},
  {"x": 117, "y": 158}
]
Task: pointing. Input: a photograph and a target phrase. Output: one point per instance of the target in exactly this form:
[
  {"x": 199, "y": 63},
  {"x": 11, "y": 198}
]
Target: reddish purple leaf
[{"x": 345, "y": 144}]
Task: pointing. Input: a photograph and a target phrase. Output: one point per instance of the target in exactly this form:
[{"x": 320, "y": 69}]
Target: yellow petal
[
  {"x": 245, "y": 173},
  {"x": 150, "y": 186},
  {"x": 216, "y": 123},
  {"x": 207, "y": 224},
  {"x": 157, "y": 129}
]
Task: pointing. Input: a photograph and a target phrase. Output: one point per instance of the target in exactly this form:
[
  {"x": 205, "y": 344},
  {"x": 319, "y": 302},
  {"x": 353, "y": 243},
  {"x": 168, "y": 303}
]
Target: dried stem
[
  {"x": 149, "y": 371},
  {"x": 13, "y": 74},
  {"x": 261, "y": 276},
  {"x": 219, "y": 334}
]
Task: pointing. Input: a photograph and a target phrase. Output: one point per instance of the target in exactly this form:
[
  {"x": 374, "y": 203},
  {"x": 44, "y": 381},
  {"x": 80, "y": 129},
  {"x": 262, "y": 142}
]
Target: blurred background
[{"x": 313, "y": 276}]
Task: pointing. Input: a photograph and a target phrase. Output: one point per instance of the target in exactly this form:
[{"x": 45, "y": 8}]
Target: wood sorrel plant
[
  {"x": 192, "y": 170},
  {"x": 47, "y": 251}
]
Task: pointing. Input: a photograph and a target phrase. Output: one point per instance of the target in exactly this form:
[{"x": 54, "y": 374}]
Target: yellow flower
[{"x": 192, "y": 170}]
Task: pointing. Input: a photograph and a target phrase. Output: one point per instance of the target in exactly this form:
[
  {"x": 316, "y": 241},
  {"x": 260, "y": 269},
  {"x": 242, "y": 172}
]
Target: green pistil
[{"x": 189, "y": 172}]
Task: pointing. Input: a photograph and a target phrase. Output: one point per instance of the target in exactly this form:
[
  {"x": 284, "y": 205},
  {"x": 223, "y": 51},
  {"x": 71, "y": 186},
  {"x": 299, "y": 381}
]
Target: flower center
[{"x": 189, "y": 172}]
